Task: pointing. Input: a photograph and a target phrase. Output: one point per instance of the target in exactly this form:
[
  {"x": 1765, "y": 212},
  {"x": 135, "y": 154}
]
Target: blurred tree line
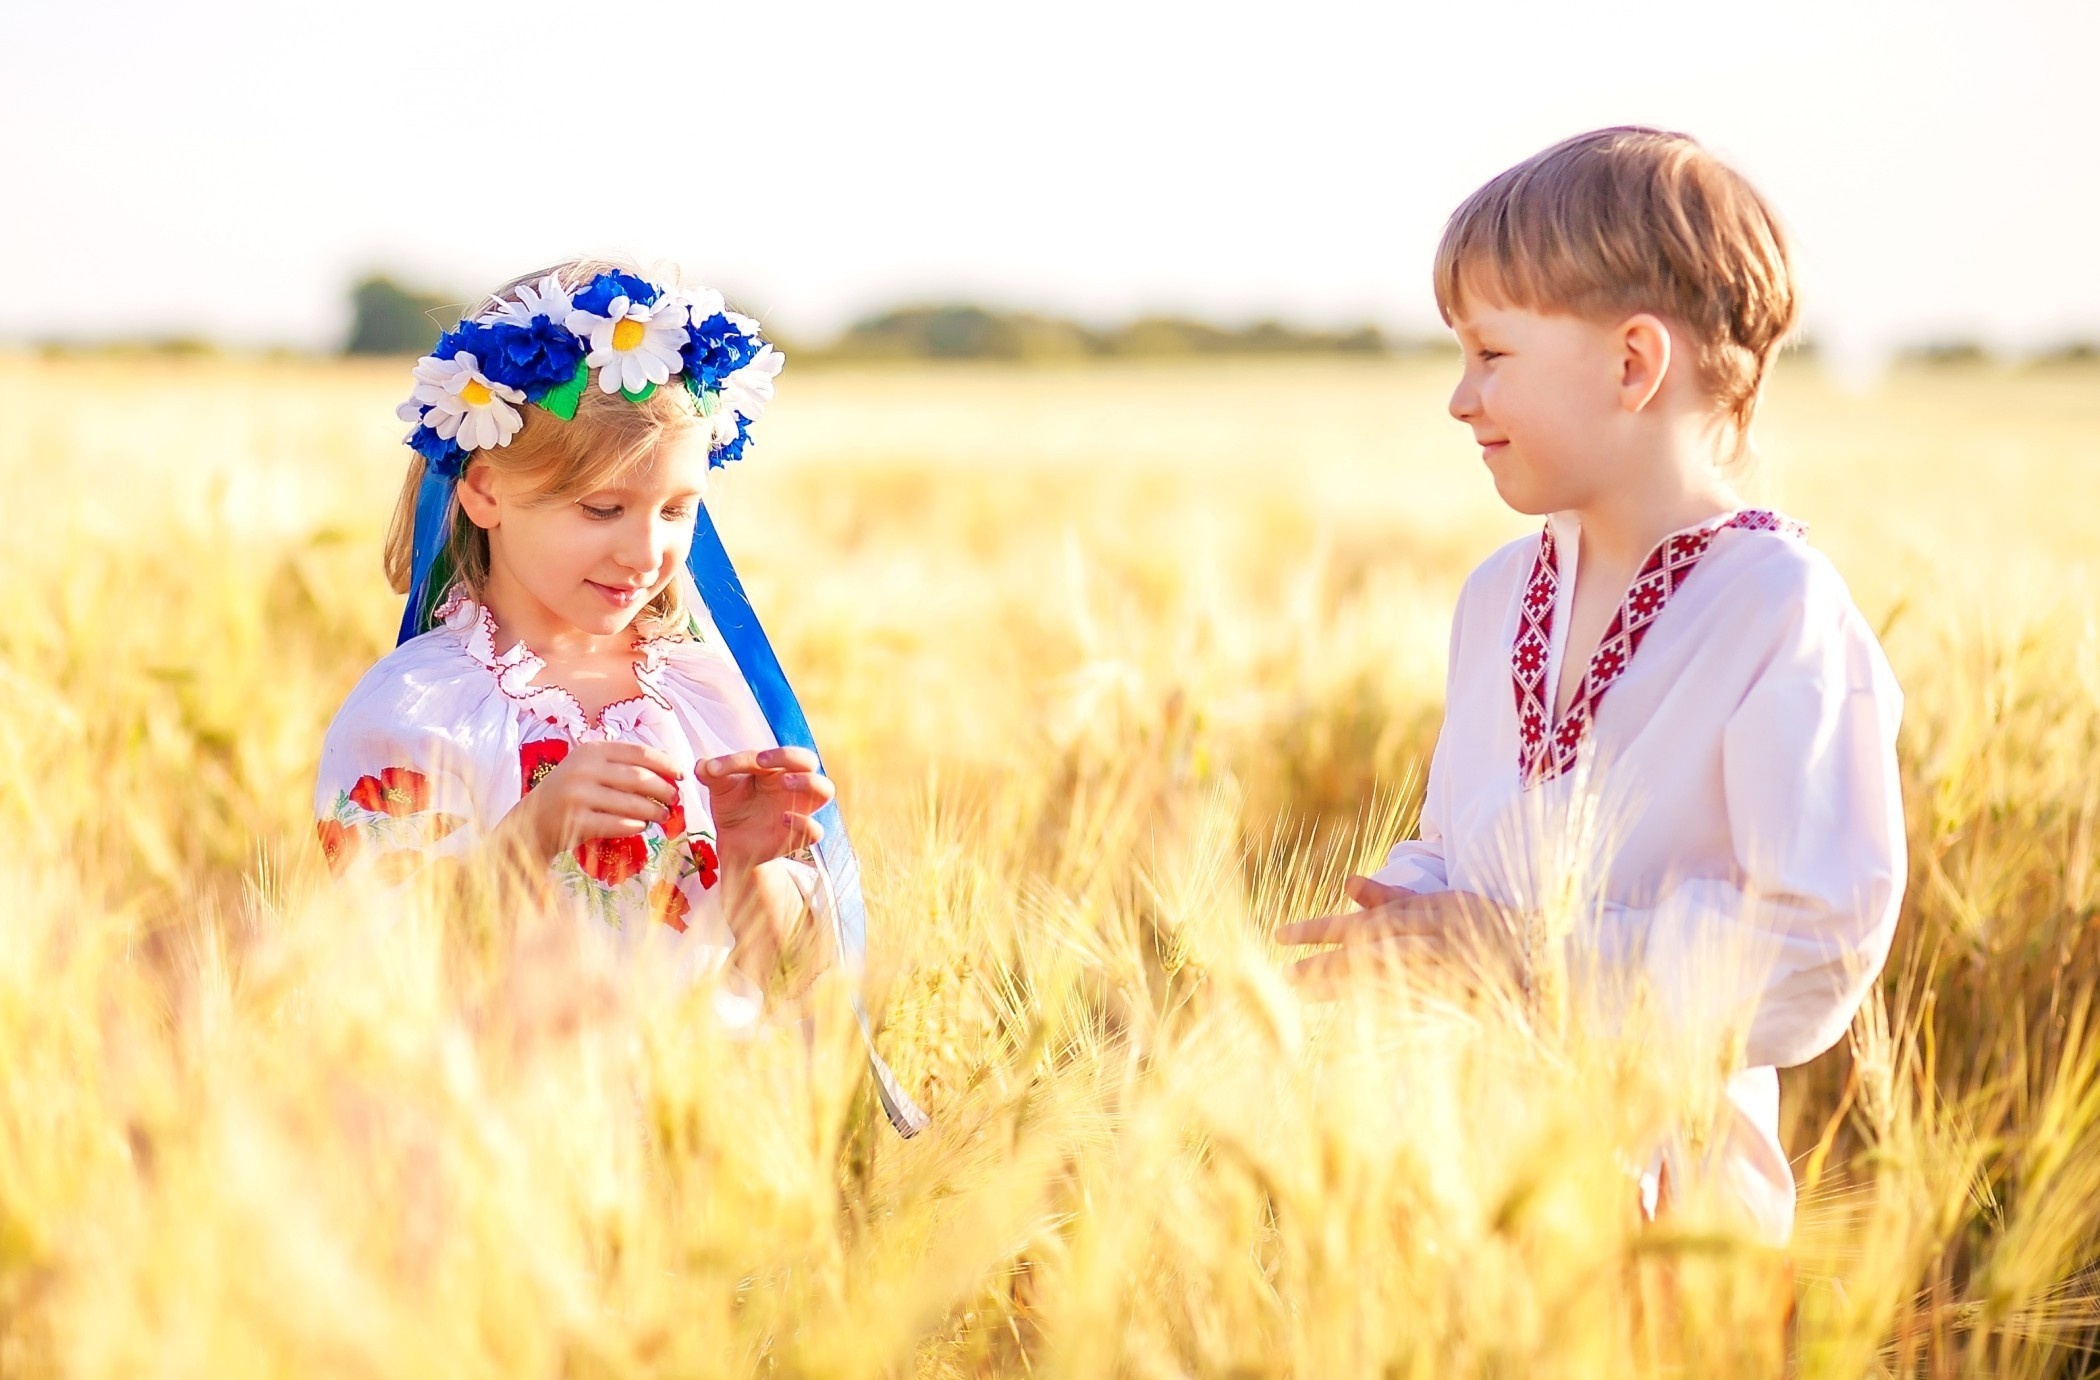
[
  {"x": 964, "y": 331},
  {"x": 389, "y": 318}
]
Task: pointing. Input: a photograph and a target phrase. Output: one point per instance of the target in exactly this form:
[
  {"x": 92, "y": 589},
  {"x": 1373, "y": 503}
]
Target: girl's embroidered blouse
[
  {"x": 1733, "y": 800},
  {"x": 446, "y": 734}
]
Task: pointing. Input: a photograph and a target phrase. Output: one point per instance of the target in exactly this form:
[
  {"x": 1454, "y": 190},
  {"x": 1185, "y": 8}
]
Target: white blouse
[
  {"x": 446, "y": 734},
  {"x": 1724, "y": 785}
]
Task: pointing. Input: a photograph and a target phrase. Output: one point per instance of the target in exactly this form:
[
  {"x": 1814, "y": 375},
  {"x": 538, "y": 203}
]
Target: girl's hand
[
  {"x": 1399, "y": 929},
  {"x": 763, "y": 803},
  {"x": 599, "y": 791},
  {"x": 762, "y": 806}
]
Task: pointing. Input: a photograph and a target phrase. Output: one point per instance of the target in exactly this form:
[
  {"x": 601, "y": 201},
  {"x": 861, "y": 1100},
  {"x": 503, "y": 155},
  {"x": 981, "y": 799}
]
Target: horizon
[{"x": 1215, "y": 166}]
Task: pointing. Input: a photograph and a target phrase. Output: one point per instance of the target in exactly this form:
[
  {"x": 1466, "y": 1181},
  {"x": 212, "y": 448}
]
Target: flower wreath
[{"x": 539, "y": 350}]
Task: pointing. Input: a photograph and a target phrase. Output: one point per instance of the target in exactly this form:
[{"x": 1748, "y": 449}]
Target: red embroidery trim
[
  {"x": 1545, "y": 750},
  {"x": 514, "y": 670}
]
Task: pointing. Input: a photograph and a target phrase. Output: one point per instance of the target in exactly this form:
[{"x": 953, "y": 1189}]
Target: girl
[
  {"x": 1661, "y": 659},
  {"x": 559, "y": 696}
]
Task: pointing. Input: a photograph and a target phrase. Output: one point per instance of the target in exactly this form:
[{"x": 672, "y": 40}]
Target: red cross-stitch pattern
[{"x": 1543, "y": 755}]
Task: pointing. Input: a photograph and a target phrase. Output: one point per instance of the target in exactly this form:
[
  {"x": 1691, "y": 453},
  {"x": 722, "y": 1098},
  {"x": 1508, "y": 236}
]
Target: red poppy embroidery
[
  {"x": 537, "y": 758},
  {"x": 613, "y": 862},
  {"x": 338, "y": 844},
  {"x": 674, "y": 822},
  {"x": 708, "y": 862},
  {"x": 1543, "y": 754},
  {"x": 668, "y": 904},
  {"x": 396, "y": 793}
]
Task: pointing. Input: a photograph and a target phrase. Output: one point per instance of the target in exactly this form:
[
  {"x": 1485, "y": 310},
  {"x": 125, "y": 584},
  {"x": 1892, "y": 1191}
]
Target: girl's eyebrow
[{"x": 626, "y": 493}]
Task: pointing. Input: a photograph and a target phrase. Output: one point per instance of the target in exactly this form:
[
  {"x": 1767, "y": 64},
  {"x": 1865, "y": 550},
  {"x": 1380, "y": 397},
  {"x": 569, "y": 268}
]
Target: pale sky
[{"x": 225, "y": 169}]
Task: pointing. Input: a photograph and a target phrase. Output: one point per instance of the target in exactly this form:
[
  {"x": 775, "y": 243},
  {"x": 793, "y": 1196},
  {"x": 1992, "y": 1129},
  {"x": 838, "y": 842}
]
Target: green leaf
[
  {"x": 562, "y": 401},
  {"x": 647, "y": 389}
]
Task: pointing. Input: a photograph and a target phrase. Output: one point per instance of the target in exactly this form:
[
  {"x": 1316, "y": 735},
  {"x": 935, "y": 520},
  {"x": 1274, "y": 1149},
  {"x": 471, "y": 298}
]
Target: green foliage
[
  {"x": 389, "y": 319},
  {"x": 968, "y": 331}
]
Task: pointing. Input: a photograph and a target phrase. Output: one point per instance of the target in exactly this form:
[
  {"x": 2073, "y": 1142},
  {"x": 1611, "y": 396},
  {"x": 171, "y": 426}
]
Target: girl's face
[
  {"x": 593, "y": 561},
  {"x": 1542, "y": 395}
]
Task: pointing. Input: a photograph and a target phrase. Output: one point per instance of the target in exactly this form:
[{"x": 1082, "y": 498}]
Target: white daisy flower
[
  {"x": 633, "y": 345},
  {"x": 410, "y": 412},
  {"x": 465, "y": 405},
  {"x": 750, "y": 388},
  {"x": 701, "y": 303},
  {"x": 721, "y": 424},
  {"x": 549, "y": 299}
]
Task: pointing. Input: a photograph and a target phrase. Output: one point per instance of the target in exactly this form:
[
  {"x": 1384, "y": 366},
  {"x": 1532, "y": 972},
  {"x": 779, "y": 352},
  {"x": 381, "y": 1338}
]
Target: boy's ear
[
  {"x": 477, "y": 495},
  {"x": 1644, "y": 360}
]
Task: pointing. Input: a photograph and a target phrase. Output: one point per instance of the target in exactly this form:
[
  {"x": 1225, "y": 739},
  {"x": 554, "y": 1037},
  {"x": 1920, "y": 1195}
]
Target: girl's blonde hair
[
  {"x": 606, "y": 438},
  {"x": 1627, "y": 220}
]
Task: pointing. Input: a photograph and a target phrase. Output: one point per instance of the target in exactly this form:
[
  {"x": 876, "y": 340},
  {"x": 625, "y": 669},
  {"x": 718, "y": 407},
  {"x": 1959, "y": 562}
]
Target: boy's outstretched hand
[
  {"x": 1400, "y": 930},
  {"x": 763, "y": 802}
]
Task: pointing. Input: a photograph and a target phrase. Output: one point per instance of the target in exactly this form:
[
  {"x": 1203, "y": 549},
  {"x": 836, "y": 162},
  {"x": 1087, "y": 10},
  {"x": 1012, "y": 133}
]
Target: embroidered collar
[
  {"x": 1546, "y": 750},
  {"x": 513, "y": 671}
]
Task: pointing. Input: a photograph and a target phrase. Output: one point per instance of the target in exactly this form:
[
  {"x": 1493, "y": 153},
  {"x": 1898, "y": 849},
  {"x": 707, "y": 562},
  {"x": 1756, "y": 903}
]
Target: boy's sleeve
[
  {"x": 1417, "y": 864},
  {"x": 390, "y": 798},
  {"x": 1785, "y": 958}
]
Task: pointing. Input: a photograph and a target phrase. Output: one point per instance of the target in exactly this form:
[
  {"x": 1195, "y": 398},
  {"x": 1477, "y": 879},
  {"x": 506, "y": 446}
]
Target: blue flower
[
  {"x": 444, "y": 457},
  {"x": 714, "y": 349},
  {"x": 606, "y": 286},
  {"x": 732, "y": 450},
  {"x": 531, "y": 359}
]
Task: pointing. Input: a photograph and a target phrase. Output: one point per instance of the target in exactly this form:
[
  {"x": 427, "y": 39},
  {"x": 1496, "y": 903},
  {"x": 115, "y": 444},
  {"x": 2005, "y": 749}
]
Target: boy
[{"x": 1660, "y": 657}]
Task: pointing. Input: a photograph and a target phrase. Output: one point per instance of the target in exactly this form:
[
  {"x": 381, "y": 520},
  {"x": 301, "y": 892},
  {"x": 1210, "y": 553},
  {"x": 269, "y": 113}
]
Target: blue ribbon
[
  {"x": 730, "y": 609},
  {"x": 738, "y": 624},
  {"x": 433, "y": 514}
]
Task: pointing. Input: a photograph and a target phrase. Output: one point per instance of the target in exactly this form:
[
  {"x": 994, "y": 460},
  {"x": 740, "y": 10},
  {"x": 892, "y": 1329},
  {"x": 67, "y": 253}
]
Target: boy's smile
[{"x": 1542, "y": 395}]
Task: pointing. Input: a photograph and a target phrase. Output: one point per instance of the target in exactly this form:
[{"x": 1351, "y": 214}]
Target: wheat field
[{"x": 1116, "y": 669}]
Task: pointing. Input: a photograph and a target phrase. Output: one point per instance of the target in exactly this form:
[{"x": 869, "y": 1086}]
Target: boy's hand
[
  {"x": 763, "y": 803},
  {"x": 1399, "y": 929},
  {"x": 599, "y": 791}
]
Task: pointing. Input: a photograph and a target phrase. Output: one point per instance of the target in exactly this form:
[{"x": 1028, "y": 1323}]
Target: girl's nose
[{"x": 641, "y": 551}]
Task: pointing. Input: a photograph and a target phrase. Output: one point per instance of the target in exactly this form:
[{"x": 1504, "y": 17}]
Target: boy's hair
[
  {"x": 1626, "y": 220},
  {"x": 607, "y": 437}
]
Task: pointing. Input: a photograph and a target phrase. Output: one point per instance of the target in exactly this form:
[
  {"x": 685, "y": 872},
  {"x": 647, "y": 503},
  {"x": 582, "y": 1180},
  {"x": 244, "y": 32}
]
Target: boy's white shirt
[{"x": 1736, "y": 813}]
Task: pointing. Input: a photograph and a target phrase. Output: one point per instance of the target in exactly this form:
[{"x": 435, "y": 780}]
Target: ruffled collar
[{"x": 513, "y": 671}]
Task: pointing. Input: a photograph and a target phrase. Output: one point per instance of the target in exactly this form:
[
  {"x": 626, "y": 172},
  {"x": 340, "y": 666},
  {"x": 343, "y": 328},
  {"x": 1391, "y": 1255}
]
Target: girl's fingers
[
  {"x": 808, "y": 784},
  {"x": 775, "y": 759},
  {"x": 727, "y": 765},
  {"x": 627, "y": 806},
  {"x": 635, "y": 755},
  {"x": 802, "y": 832},
  {"x": 605, "y": 824},
  {"x": 637, "y": 780}
]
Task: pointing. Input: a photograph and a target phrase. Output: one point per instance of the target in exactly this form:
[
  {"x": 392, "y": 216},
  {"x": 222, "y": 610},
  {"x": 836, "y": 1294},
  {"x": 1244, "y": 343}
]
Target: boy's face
[{"x": 1542, "y": 395}]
